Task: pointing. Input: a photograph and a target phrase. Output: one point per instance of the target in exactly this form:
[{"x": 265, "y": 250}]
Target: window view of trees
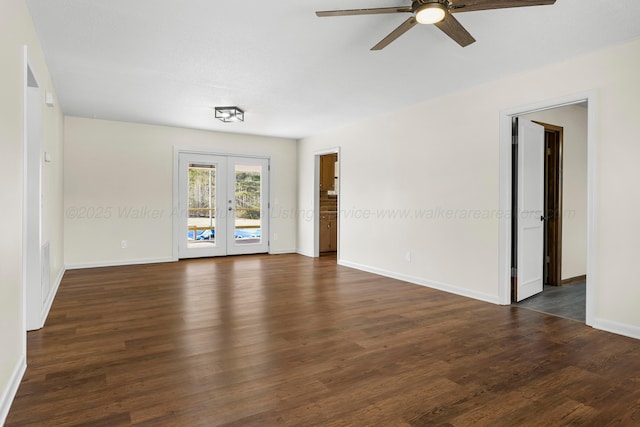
[
  {"x": 202, "y": 181},
  {"x": 202, "y": 193},
  {"x": 248, "y": 195},
  {"x": 202, "y": 202}
]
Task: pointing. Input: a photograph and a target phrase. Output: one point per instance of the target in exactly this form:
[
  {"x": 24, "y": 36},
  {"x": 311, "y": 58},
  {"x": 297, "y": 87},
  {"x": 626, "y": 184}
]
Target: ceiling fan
[{"x": 437, "y": 12}]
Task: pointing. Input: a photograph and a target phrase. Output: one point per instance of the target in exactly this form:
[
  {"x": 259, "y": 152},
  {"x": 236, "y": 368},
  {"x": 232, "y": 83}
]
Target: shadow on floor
[{"x": 567, "y": 301}]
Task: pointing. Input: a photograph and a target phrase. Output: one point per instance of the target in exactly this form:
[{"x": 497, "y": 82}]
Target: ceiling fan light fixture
[{"x": 431, "y": 13}]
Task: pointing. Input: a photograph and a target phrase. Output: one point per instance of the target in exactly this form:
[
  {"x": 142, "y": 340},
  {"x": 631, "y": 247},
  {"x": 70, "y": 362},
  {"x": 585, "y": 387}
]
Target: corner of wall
[{"x": 9, "y": 393}]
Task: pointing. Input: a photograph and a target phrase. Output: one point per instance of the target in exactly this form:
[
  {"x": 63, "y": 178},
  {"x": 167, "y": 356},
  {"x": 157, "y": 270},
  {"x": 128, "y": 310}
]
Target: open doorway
[
  {"x": 564, "y": 217},
  {"x": 327, "y": 203},
  {"x": 506, "y": 240}
]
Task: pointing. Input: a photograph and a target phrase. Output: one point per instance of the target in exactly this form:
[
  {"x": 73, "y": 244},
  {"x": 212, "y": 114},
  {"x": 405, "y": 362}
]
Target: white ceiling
[{"x": 171, "y": 61}]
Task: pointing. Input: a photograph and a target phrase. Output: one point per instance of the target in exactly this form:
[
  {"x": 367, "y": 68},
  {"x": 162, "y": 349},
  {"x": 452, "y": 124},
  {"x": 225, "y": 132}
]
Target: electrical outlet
[
  {"x": 407, "y": 256},
  {"x": 123, "y": 244},
  {"x": 275, "y": 236}
]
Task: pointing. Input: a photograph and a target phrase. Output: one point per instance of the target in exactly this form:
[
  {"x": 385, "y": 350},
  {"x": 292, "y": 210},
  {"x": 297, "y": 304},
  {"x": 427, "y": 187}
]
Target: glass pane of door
[
  {"x": 248, "y": 204},
  {"x": 201, "y": 218}
]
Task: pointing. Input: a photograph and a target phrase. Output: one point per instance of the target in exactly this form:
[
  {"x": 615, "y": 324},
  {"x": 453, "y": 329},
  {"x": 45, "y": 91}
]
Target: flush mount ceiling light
[
  {"x": 430, "y": 13},
  {"x": 229, "y": 114}
]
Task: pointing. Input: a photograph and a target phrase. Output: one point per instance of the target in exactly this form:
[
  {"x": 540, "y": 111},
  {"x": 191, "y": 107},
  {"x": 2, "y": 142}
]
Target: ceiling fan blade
[
  {"x": 472, "y": 5},
  {"x": 375, "y": 11},
  {"x": 403, "y": 28},
  {"x": 454, "y": 29}
]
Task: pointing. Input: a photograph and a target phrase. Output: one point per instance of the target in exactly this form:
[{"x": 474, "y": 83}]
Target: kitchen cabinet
[
  {"x": 328, "y": 232},
  {"x": 328, "y": 172}
]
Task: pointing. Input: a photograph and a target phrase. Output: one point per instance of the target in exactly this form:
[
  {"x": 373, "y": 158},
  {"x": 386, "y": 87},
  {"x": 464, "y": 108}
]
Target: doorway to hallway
[{"x": 561, "y": 266}]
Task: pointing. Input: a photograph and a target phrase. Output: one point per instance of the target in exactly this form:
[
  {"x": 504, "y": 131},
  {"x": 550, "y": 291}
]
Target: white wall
[
  {"x": 18, "y": 31},
  {"x": 442, "y": 158},
  {"x": 115, "y": 168},
  {"x": 573, "y": 119}
]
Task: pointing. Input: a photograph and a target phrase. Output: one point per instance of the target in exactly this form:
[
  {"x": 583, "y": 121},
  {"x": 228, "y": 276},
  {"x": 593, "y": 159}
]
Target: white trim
[
  {"x": 316, "y": 197},
  {"x": 44, "y": 313},
  {"x": 120, "y": 263},
  {"x": 213, "y": 152},
  {"x": 504, "y": 243},
  {"x": 592, "y": 212},
  {"x": 175, "y": 207},
  {"x": 422, "y": 282},
  {"x": 52, "y": 294},
  {"x": 617, "y": 328},
  {"x": 23, "y": 326},
  {"x": 9, "y": 393},
  {"x": 32, "y": 262},
  {"x": 316, "y": 206},
  {"x": 282, "y": 251},
  {"x": 324, "y": 151},
  {"x": 504, "y": 206}
]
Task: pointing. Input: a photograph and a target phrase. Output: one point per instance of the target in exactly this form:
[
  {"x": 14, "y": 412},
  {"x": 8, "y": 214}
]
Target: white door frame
[
  {"x": 316, "y": 198},
  {"x": 176, "y": 188},
  {"x": 505, "y": 194},
  {"x": 32, "y": 200}
]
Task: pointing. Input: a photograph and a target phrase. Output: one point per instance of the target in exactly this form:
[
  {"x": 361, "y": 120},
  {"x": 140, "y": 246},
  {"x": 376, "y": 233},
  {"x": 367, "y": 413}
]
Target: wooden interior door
[{"x": 553, "y": 136}]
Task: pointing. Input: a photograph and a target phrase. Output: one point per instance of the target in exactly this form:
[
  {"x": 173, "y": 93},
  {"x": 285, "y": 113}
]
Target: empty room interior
[{"x": 363, "y": 212}]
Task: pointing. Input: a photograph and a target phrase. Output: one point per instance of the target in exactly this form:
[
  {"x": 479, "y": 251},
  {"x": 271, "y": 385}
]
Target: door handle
[{"x": 544, "y": 218}]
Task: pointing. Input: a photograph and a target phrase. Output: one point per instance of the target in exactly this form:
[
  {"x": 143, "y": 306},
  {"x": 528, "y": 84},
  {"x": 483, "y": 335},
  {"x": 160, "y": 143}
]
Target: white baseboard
[
  {"x": 9, "y": 392},
  {"x": 282, "y": 251},
  {"x": 47, "y": 304},
  {"x": 617, "y": 328},
  {"x": 494, "y": 299},
  {"x": 305, "y": 253},
  {"x": 119, "y": 263},
  {"x": 598, "y": 323}
]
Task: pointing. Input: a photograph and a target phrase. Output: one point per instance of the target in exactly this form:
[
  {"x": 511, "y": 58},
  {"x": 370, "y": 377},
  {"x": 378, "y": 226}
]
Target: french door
[{"x": 223, "y": 205}]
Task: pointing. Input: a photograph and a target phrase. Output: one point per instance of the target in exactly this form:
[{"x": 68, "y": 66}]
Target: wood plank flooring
[{"x": 295, "y": 341}]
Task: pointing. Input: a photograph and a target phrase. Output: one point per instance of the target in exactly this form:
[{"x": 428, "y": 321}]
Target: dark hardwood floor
[{"x": 290, "y": 340}]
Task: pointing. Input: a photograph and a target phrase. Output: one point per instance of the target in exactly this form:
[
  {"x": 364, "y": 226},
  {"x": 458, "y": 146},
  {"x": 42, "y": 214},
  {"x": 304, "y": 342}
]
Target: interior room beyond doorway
[{"x": 328, "y": 202}]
